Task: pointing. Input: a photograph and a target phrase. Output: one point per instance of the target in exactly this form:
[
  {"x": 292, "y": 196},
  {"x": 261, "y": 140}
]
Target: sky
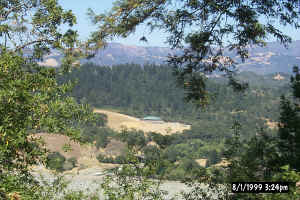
[{"x": 85, "y": 27}]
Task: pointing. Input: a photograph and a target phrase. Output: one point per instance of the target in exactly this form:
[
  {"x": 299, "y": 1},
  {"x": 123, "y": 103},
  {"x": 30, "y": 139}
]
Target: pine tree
[{"x": 289, "y": 126}]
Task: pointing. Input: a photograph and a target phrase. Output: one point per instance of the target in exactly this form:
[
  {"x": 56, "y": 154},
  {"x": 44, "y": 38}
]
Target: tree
[
  {"x": 270, "y": 158},
  {"x": 31, "y": 100},
  {"x": 214, "y": 157},
  {"x": 289, "y": 126},
  {"x": 55, "y": 161},
  {"x": 33, "y": 26},
  {"x": 207, "y": 28},
  {"x": 259, "y": 161}
]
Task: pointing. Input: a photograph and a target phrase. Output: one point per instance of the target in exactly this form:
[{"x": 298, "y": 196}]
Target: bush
[
  {"x": 151, "y": 153},
  {"x": 173, "y": 153},
  {"x": 99, "y": 134},
  {"x": 188, "y": 164},
  {"x": 117, "y": 160},
  {"x": 214, "y": 157},
  {"x": 104, "y": 159},
  {"x": 162, "y": 140},
  {"x": 73, "y": 160},
  {"x": 133, "y": 137},
  {"x": 102, "y": 137},
  {"x": 55, "y": 161},
  {"x": 176, "y": 174},
  {"x": 120, "y": 160}
]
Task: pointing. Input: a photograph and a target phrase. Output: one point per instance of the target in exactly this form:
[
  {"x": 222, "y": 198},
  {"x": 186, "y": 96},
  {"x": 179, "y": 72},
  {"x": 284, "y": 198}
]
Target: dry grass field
[
  {"x": 201, "y": 162},
  {"x": 86, "y": 154},
  {"x": 119, "y": 121}
]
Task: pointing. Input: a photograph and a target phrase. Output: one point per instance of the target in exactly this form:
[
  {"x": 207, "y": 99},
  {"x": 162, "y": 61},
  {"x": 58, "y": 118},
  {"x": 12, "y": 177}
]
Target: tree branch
[{"x": 31, "y": 43}]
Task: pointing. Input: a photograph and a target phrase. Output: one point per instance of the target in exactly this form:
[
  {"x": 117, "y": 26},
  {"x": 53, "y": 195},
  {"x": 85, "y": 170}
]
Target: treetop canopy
[{"x": 207, "y": 27}]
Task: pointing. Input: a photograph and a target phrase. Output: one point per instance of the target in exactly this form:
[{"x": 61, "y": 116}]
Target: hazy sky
[{"x": 85, "y": 27}]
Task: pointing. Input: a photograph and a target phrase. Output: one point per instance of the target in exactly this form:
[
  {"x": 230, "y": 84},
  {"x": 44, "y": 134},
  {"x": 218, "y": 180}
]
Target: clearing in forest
[{"x": 117, "y": 121}]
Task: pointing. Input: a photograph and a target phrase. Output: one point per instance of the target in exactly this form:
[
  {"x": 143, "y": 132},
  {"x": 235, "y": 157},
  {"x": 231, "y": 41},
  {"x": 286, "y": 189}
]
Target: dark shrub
[{"x": 55, "y": 161}]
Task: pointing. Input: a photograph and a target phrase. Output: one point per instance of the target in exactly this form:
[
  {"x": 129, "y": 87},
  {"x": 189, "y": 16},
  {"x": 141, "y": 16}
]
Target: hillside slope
[
  {"x": 119, "y": 121},
  {"x": 86, "y": 154}
]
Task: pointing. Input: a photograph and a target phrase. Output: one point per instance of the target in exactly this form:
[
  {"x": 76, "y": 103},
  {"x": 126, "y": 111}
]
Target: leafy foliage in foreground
[{"x": 31, "y": 101}]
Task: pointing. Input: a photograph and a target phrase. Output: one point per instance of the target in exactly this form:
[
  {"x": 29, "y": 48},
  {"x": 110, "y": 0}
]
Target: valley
[
  {"x": 193, "y": 143},
  {"x": 186, "y": 135},
  {"x": 149, "y": 100}
]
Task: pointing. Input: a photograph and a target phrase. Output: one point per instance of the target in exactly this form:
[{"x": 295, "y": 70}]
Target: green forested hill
[{"x": 151, "y": 90}]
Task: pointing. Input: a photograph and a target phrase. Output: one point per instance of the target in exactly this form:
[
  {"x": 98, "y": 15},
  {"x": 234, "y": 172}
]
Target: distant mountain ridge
[
  {"x": 116, "y": 53},
  {"x": 270, "y": 59}
]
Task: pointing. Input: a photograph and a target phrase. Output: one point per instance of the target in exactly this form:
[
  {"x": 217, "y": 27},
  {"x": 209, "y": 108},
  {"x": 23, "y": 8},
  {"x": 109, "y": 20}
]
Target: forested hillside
[{"x": 151, "y": 90}]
